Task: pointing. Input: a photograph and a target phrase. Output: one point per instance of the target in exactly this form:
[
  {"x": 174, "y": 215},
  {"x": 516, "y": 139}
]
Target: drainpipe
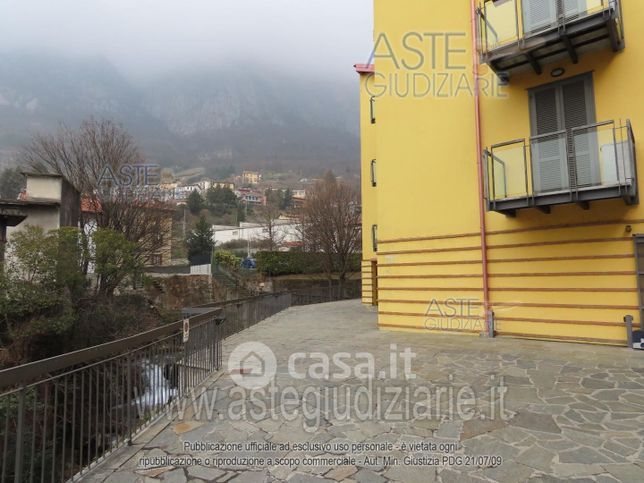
[{"x": 481, "y": 177}]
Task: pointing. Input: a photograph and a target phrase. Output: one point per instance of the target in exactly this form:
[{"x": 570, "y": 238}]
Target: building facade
[
  {"x": 251, "y": 196},
  {"x": 48, "y": 201},
  {"x": 286, "y": 233},
  {"x": 505, "y": 201},
  {"x": 251, "y": 177}
]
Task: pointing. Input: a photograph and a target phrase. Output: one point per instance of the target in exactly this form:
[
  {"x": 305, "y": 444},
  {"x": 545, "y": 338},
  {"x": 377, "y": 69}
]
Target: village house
[{"x": 49, "y": 201}]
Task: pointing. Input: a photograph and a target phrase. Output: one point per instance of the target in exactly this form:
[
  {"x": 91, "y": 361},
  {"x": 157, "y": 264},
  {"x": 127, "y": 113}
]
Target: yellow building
[
  {"x": 251, "y": 177},
  {"x": 506, "y": 201}
]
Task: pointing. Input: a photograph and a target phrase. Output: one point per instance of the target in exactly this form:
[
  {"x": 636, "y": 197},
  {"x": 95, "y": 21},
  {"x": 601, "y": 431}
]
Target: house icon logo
[{"x": 252, "y": 365}]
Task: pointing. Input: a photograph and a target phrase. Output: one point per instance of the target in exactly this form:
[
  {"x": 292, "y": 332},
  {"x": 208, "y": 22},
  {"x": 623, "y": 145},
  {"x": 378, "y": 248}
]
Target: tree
[
  {"x": 90, "y": 157},
  {"x": 330, "y": 220},
  {"x": 46, "y": 305},
  {"x": 287, "y": 199},
  {"x": 195, "y": 202},
  {"x": 114, "y": 258},
  {"x": 221, "y": 200},
  {"x": 102, "y": 161},
  {"x": 268, "y": 216},
  {"x": 41, "y": 279},
  {"x": 11, "y": 182},
  {"x": 200, "y": 242}
]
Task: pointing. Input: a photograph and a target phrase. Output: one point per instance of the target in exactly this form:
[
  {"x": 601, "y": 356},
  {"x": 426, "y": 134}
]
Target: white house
[
  {"x": 286, "y": 233},
  {"x": 182, "y": 192}
]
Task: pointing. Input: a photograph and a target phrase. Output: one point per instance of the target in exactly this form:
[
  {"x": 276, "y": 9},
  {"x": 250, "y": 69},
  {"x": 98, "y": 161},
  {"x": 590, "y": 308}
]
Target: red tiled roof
[
  {"x": 365, "y": 68},
  {"x": 89, "y": 205}
]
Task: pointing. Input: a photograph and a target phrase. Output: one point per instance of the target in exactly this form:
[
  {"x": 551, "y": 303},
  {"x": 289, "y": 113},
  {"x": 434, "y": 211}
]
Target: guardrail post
[
  {"x": 19, "y": 436},
  {"x": 184, "y": 382},
  {"x": 129, "y": 399},
  {"x": 628, "y": 320}
]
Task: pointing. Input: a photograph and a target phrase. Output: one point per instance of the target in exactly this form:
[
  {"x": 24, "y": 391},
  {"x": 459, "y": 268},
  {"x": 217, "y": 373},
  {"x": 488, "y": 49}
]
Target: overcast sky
[{"x": 146, "y": 37}]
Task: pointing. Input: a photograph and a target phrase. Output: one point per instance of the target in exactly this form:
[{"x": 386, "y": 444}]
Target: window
[
  {"x": 374, "y": 237},
  {"x": 373, "y": 172},
  {"x": 372, "y": 109},
  {"x": 562, "y": 158}
]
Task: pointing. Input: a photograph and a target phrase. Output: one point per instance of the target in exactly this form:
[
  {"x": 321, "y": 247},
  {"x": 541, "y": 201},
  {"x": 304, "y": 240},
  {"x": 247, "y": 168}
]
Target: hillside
[{"x": 232, "y": 115}]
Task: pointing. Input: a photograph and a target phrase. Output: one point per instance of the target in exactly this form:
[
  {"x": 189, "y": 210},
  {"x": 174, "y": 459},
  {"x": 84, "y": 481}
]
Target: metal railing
[
  {"x": 351, "y": 289},
  {"x": 243, "y": 313},
  {"x": 584, "y": 158},
  {"x": 61, "y": 416},
  {"x": 512, "y": 21}
]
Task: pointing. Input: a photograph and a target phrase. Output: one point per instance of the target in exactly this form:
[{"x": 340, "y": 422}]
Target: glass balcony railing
[
  {"x": 526, "y": 24},
  {"x": 583, "y": 164}
]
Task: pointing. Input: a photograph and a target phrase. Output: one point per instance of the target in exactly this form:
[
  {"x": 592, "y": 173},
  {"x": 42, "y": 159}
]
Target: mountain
[{"x": 233, "y": 115}]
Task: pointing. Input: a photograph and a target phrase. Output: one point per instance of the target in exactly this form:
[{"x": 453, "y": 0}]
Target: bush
[
  {"x": 226, "y": 259},
  {"x": 295, "y": 263}
]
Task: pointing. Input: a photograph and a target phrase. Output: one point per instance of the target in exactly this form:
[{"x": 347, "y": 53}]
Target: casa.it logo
[{"x": 252, "y": 365}]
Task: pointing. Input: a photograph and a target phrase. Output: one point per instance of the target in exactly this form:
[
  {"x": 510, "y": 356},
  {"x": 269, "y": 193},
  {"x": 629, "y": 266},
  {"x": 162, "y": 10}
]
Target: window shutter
[
  {"x": 546, "y": 114},
  {"x": 538, "y": 14},
  {"x": 573, "y": 8},
  {"x": 548, "y": 153},
  {"x": 582, "y": 145},
  {"x": 575, "y": 107}
]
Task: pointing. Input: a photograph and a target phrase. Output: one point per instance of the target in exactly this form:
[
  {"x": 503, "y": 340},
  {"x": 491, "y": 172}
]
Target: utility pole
[{"x": 184, "y": 222}]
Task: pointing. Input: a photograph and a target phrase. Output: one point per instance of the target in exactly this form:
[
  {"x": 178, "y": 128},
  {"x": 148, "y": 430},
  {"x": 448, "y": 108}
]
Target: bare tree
[
  {"x": 269, "y": 215},
  {"x": 102, "y": 161},
  {"x": 330, "y": 223},
  {"x": 84, "y": 156}
]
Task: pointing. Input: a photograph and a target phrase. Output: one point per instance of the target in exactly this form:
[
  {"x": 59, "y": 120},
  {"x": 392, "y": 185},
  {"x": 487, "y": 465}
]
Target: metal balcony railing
[
  {"x": 532, "y": 30},
  {"x": 580, "y": 165}
]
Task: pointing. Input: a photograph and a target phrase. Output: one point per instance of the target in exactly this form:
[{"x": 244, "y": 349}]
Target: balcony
[
  {"x": 515, "y": 35},
  {"x": 580, "y": 165}
]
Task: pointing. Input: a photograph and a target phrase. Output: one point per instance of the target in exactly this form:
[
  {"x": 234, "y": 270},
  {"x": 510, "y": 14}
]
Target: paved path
[{"x": 570, "y": 413}]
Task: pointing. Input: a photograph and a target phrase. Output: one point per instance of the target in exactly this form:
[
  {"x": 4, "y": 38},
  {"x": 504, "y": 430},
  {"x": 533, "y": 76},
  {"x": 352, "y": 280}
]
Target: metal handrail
[
  {"x": 590, "y": 126},
  {"x": 496, "y": 158},
  {"x": 622, "y": 179},
  {"x": 561, "y": 21},
  {"x": 507, "y": 143},
  {"x": 630, "y": 130},
  {"x": 26, "y": 373},
  {"x": 505, "y": 174},
  {"x": 62, "y": 415},
  {"x": 86, "y": 404},
  {"x": 548, "y": 135}
]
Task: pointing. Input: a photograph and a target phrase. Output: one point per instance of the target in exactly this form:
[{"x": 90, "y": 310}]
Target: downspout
[{"x": 481, "y": 177}]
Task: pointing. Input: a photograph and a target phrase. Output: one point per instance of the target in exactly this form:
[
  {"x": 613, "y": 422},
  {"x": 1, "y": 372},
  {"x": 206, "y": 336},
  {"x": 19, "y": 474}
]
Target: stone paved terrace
[{"x": 572, "y": 412}]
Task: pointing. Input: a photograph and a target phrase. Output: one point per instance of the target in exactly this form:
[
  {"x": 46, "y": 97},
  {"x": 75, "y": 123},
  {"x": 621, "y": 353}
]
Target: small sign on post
[{"x": 186, "y": 330}]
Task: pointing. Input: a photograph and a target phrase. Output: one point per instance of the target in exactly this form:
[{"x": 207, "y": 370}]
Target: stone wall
[{"x": 178, "y": 291}]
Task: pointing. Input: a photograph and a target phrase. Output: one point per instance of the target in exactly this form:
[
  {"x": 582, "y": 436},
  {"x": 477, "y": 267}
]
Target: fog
[{"x": 148, "y": 38}]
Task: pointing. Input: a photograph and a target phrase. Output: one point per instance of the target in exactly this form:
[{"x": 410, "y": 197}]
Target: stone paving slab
[{"x": 568, "y": 413}]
